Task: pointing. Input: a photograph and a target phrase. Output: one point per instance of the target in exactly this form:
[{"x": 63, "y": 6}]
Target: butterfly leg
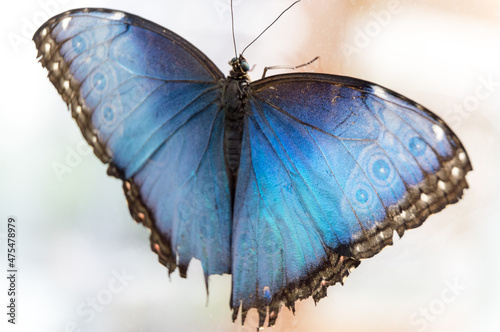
[{"x": 288, "y": 67}]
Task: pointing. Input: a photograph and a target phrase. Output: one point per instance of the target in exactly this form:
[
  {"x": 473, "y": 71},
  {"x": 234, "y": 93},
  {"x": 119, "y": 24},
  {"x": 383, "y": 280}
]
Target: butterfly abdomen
[{"x": 235, "y": 102}]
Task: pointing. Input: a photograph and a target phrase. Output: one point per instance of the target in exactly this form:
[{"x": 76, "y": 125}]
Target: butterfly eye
[{"x": 244, "y": 66}]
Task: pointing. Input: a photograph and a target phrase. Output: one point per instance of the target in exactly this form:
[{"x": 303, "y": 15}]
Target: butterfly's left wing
[
  {"x": 330, "y": 168},
  {"x": 147, "y": 101}
]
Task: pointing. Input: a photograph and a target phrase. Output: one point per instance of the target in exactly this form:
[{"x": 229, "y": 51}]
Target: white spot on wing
[
  {"x": 46, "y": 47},
  {"x": 462, "y": 156},
  {"x": 66, "y": 85},
  {"x": 441, "y": 185},
  {"x": 117, "y": 16},
  {"x": 44, "y": 32},
  {"x": 65, "y": 22},
  {"x": 455, "y": 171},
  {"x": 55, "y": 66},
  {"x": 438, "y": 131},
  {"x": 424, "y": 197}
]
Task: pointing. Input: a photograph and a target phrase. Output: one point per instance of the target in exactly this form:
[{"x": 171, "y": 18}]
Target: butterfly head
[{"x": 240, "y": 67}]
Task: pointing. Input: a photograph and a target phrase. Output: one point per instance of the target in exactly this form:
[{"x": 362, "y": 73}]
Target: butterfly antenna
[
  {"x": 277, "y": 18},
  {"x": 232, "y": 29}
]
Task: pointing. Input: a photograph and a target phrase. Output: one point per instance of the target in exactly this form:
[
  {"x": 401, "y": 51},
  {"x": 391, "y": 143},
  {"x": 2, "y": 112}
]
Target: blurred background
[{"x": 84, "y": 265}]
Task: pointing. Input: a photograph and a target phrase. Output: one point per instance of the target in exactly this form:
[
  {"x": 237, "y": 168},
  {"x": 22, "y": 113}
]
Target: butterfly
[{"x": 285, "y": 183}]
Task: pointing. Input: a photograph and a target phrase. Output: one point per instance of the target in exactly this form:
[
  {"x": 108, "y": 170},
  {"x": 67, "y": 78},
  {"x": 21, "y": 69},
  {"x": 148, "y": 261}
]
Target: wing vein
[{"x": 290, "y": 177}]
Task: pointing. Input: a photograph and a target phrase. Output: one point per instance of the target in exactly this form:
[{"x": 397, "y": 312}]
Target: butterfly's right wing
[
  {"x": 330, "y": 168},
  {"x": 146, "y": 100}
]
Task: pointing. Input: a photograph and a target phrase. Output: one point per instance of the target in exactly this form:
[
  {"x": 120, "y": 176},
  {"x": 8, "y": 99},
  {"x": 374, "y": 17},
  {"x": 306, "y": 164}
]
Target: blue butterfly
[{"x": 285, "y": 182}]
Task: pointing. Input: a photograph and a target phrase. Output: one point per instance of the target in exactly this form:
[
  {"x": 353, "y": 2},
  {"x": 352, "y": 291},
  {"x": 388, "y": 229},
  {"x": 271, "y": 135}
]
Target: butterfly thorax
[{"x": 234, "y": 101}]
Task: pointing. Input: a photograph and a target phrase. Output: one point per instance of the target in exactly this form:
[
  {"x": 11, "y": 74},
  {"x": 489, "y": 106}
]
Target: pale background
[{"x": 75, "y": 233}]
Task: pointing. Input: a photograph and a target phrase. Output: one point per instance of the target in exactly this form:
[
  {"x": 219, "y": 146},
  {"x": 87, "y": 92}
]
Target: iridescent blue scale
[{"x": 285, "y": 182}]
